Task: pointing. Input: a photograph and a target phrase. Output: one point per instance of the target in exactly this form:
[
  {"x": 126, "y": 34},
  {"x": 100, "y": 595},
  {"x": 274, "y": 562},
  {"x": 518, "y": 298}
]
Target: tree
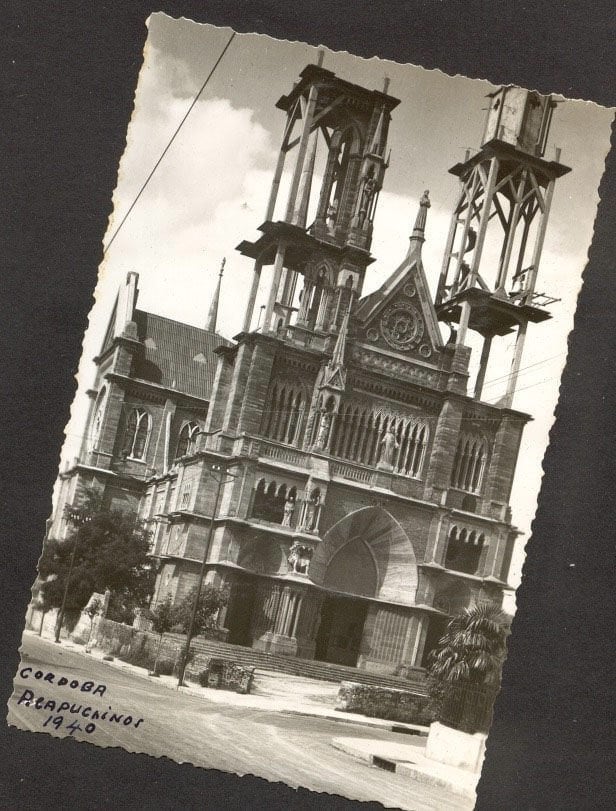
[
  {"x": 163, "y": 620},
  {"x": 211, "y": 600},
  {"x": 123, "y": 602},
  {"x": 93, "y": 608},
  {"x": 465, "y": 666},
  {"x": 107, "y": 549}
]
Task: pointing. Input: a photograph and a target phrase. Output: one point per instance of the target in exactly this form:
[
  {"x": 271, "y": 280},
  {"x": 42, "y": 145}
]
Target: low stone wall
[
  {"x": 384, "y": 702},
  {"x": 146, "y": 649},
  {"x": 114, "y": 637},
  {"x": 43, "y": 623}
]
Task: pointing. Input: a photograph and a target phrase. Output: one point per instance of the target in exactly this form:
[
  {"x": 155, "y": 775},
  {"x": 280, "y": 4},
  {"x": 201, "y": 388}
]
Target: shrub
[
  {"x": 165, "y": 667},
  {"x": 139, "y": 657},
  {"x": 464, "y": 668},
  {"x": 384, "y": 702}
]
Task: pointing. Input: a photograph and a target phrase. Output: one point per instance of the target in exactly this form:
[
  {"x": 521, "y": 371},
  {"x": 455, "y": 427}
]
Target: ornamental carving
[
  {"x": 396, "y": 368},
  {"x": 402, "y": 326}
]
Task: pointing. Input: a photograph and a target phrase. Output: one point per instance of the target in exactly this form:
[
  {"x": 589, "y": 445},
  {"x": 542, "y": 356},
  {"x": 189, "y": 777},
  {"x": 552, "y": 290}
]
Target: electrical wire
[
  {"x": 524, "y": 388},
  {"x": 504, "y": 378},
  {"x": 166, "y": 149}
]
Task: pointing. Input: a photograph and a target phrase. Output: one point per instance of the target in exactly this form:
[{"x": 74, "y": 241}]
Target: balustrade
[
  {"x": 284, "y": 454},
  {"x": 351, "y": 472}
]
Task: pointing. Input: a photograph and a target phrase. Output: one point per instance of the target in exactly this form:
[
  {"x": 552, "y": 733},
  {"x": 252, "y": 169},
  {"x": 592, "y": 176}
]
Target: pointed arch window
[
  {"x": 469, "y": 463},
  {"x": 357, "y": 435},
  {"x": 284, "y": 419},
  {"x": 138, "y": 428},
  {"x": 97, "y": 420},
  {"x": 464, "y": 550},
  {"x": 187, "y": 439},
  {"x": 270, "y": 499}
]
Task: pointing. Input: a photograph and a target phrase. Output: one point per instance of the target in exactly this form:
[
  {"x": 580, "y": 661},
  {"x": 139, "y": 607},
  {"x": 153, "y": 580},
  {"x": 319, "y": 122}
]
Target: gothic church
[{"x": 335, "y": 464}]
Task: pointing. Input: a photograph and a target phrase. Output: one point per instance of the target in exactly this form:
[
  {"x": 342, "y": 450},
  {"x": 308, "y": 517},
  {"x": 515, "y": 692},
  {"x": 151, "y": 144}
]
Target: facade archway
[
  {"x": 375, "y": 532},
  {"x": 366, "y": 565}
]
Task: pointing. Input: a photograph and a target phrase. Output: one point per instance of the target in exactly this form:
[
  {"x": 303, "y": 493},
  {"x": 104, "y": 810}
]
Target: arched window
[
  {"x": 187, "y": 439},
  {"x": 412, "y": 442},
  {"x": 283, "y": 419},
  {"x": 357, "y": 435},
  {"x": 258, "y": 506},
  {"x": 137, "y": 433},
  {"x": 97, "y": 420},
  {"x": 270, "y": 499},
  {"x": 469, "y": 463},
  {"x": 464, "y": 550}
]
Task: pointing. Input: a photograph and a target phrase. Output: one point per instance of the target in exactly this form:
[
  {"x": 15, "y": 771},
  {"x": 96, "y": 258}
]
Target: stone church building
[{"x": 335, "y": 464}]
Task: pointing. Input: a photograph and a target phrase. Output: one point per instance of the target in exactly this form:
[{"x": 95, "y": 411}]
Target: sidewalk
[
  {"x": 409, "y": 760},
  {"x": 272, "y": 692}
]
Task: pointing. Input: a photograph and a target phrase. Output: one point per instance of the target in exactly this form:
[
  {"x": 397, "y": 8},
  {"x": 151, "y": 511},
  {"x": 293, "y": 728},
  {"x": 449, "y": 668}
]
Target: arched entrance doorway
[
  {"x": 366, "y": 566},
  {"x": 351, "y": 571}
]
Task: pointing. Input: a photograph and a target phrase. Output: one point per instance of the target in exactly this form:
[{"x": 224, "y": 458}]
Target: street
[{"x": 274, "y": 745}]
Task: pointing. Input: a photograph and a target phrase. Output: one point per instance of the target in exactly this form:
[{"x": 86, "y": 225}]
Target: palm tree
[
  {"x": 464, "y": 669},
  {"x": 473, "y": 648}
]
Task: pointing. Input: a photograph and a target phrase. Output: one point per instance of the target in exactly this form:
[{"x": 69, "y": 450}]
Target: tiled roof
[{"x": 175, "y": 355}]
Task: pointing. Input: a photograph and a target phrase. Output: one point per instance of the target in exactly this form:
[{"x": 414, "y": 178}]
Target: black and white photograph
[{"x": 314, "y": 399}]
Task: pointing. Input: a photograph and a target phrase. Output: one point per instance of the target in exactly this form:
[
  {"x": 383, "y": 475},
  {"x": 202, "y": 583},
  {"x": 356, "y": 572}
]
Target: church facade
[{"x": 330, "y": 464}]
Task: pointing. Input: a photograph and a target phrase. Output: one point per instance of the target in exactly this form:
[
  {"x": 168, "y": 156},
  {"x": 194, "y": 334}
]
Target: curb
[
  {"x": 416, "y": 731},
  {"x": 407, "y": 769},
  {"x": 417, "y": 773}
]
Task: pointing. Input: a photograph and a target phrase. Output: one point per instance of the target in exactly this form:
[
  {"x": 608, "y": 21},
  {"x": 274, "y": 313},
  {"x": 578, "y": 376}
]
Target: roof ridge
[{"x": 182, "y": 324}]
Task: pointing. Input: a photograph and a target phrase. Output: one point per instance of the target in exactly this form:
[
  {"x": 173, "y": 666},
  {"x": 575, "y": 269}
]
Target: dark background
[{"x": 68, "y": 71}]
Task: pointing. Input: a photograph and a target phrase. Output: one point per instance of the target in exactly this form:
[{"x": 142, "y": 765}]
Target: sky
[{"x": 211, "y": 189}]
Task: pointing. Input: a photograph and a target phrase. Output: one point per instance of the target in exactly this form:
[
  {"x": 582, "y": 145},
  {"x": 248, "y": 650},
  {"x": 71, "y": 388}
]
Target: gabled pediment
[{"x": 400, "y": 315}]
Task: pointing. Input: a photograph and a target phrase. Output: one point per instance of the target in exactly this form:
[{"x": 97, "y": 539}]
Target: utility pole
[
  {"x": 218, "y": 472},
  {"x": 77, "y": 520}
]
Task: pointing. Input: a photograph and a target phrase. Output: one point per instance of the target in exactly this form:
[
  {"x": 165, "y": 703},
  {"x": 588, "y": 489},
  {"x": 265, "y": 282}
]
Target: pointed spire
[
  {"x": 376, "y": 148},
  {"x": 212, "y": 315},
  {"x": 337, "y": 360},
  {"x": 418, "y": 235}
]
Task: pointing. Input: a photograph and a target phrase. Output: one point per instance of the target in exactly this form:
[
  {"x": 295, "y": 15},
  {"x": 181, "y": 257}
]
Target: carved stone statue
[
  {"x": 365, "y": 201},
  {"x": 389, "y": 446},
  {"x": 332, "y": 213},
  {"x": 289, "y": 509},
  {"x": 299, "y": 558},
  {"x": 323, "y": 434},
  {"x": 310, "y": 521}
]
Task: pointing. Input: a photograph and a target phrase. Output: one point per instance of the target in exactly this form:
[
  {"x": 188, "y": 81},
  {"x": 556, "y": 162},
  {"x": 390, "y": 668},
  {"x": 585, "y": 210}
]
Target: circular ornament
[
  {"x": 372, "y": 335},
  {"x": 402, "y": 327},
  {"x": 409, "y": 290},
  {"x": 425, "y": 351}
]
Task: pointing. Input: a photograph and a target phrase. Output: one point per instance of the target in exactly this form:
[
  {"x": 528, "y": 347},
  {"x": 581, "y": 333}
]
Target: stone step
[{"x": 308, "y": 668}]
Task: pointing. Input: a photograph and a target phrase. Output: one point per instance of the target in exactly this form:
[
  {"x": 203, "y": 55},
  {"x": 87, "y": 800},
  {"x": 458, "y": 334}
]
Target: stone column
[
  {"x": 275, "y": 288},
  {"x": 441, "y": 537},
  {"x": 438, "y": 476},
  {"x": 415, "y": 641},
  {"x": 302, "y": 315},
  {"x": 498, "y": 478},
  {"x": 252, "y": 296}
]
